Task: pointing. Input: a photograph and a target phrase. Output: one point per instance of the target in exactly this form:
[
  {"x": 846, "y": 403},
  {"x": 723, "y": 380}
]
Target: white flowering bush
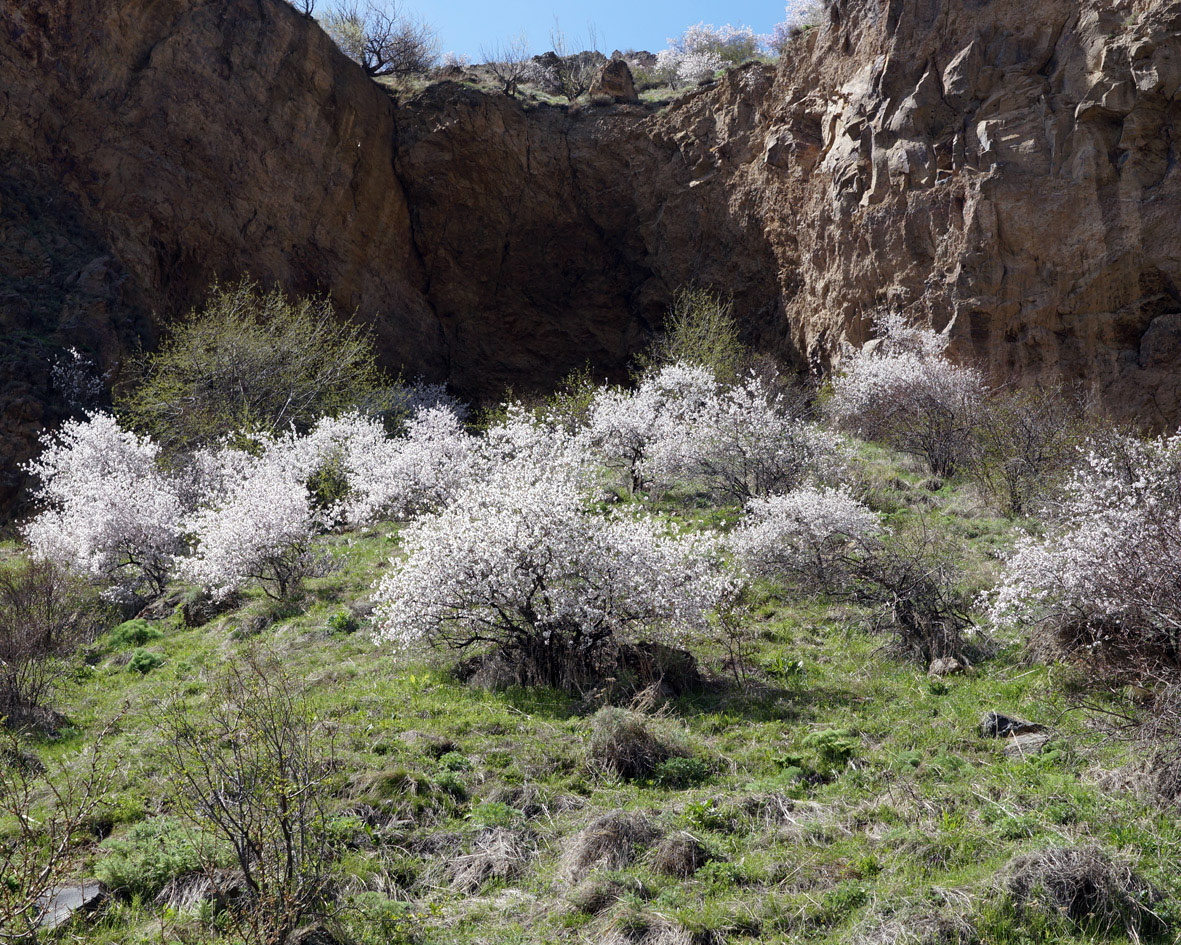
[
  {"x": 744, "y": 441},
  {"x": 902, "y": 389},
  {"x": 256, "y": 523},
  {"x": 622, "y": 425},
  {"x": 702, "y": 50},
  {"x": 799, "y": 15},
  {"x": 1103, "y": 580},
  {"x": 519, "y": 563},
  {"x": 108, "y": 509},
  {"x": 807, "y": 534}
]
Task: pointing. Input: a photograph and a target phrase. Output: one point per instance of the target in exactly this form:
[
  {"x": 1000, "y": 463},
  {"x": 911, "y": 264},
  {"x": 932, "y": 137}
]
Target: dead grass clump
[
  {"x": 1086, "y": 886},
  {"x": 607, "y": 842},
  {"x": 499, "y": 853},
  {"x": 623, "y": 744},
  {"x": 680, "y": 854},
  {"x": 599, "y": 893},
  {"x": 942, "y": 928},
  {"x": 635, "y": 929}
]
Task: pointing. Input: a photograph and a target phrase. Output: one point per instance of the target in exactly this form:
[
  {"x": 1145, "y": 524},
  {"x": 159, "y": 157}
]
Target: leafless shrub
[
  {"x": 607, "y": 842},
  {"x": 572, "y": 70},
  {"x": 1024, "y": 443},
  {"x": 509, "y": 62},
  {"x": 499, "y": 853},
  {"x": 1086, "y": 886},
  {"x": 43, "y": 811},
  {"x": 381, "y": 39},
  {"x": 256, "y": 773},
  {"x": 46, "y": 614},
  {"x": 623, "y": 744},
  {"x": 304, "y": 7}
]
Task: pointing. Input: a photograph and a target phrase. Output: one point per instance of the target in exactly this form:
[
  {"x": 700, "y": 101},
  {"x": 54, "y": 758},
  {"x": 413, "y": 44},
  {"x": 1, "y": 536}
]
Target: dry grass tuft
[
  {"x": 607, "y": 842},
  {"x": 1086, "y": 886},
  {"x": 499, "y": 853},
  {"x": 680, "y": 854},
  {"x": 623, "y": 744}
]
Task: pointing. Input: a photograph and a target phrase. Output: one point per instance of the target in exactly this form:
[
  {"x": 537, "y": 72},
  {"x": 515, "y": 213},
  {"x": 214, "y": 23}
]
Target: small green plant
[
  {"x": 142, "y": 861},
  {"x": 680, "y": 771},
  {"x": 454, "y": 761},
  {"x": 833, "y": 746},
  {"x": 137, "y": 632},
  {"x": 492, "y": 814},
  {"x": 342, "y": 622},
  {"x": 700, "y": 329},
  {"x": 144, "y": 661}
]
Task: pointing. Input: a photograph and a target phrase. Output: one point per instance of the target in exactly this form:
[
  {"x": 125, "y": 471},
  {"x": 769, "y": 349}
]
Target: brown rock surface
[
  {"x": 1007, "y": 171},
  {"x": 614, "y": 79}
]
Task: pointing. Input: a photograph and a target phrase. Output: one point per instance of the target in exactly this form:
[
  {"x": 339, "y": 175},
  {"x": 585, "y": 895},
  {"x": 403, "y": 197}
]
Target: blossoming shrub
[
  {"x": 744, "y": 441},
  {"x": 702, "y": 50},
  {"x": 807, "y": 535},
  {"x": 520, "y": 564},
  {"x": 1102, "y": 582},
  {"x": 109, "y": 511},
  {"x": 623, "y": 426},
  {"x": 904, "y": 391},
  {"x": 256, "y": 523}
]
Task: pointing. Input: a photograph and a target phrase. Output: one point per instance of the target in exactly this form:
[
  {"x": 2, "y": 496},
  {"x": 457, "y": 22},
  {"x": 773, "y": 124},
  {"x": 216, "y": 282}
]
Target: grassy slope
[{"x": 806, "y": 845}]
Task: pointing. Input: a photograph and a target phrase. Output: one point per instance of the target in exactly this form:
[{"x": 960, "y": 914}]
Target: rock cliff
[{"x": 1005, "y": 170}]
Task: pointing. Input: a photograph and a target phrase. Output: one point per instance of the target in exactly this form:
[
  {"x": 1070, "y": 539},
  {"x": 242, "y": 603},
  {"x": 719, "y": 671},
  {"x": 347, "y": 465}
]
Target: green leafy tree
[{"x": 251, "y": 360}]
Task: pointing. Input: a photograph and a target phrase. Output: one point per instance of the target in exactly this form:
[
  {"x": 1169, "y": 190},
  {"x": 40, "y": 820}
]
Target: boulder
[
  {"x": 62, "y": 903},
  {"x": 996, "y": 725},
  {"x": 615, "y": 80},
  {"x": 945, "y": 666}
]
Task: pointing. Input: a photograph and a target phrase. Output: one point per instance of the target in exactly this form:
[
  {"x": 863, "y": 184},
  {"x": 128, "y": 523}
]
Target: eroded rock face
[{"x": 1006, "y": 171}]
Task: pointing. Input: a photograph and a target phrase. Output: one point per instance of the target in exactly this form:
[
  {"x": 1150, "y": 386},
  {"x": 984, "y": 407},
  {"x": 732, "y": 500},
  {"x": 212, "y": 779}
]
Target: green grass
[{"x": 839, "y": 789}]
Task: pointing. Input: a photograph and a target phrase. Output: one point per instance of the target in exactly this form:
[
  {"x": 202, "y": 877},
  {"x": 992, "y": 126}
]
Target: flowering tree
[
  {"x": 744, "y": 441},
  {"x": 519, "y": 563},
  {"x": 903, "y": 390},
  {"x": 806, "y": 534},
  {"x": 109, "y": 510},
  {"x": 799, "y": 15},
  {"x": 622, "y": 426},
  {"x": 256, "y": 523},
  {"x": 702, "y": 50},
  {"x": 1102, "y": 582}
]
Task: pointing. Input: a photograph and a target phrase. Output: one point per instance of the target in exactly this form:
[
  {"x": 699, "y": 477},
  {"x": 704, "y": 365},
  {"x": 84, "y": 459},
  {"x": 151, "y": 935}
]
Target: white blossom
[
  {"x": 803, "y": 533},
  {"x": 521, "y": 563},
  {"x": 109, "y": 510}
]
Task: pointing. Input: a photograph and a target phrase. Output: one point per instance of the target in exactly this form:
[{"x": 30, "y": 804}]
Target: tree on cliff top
[
  {"x": 250, "y": 361},
  {"x": 381, "y": 39}
]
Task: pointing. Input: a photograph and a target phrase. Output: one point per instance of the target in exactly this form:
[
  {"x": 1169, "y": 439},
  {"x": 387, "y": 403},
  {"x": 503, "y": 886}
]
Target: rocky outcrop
[{"x": 1005, "y": 171}]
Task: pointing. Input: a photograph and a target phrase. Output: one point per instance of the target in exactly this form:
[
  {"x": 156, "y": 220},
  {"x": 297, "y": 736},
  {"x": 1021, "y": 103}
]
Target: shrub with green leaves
[
  {"x": 700, "y": 329},
  {"x": 251, "y": 360},
  {"x": 135, "y": 632},
  {"x": 144, "y": 661}
]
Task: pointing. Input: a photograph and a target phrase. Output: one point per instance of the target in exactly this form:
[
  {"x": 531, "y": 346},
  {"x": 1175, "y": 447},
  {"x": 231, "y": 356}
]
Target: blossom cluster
[
  {"x": 1107, "y": 566},
  {"x": 803, "y": 533},
  {"x": 703, "y": 49},
  {"x": 681, "y": 425},
  {"x": 901, "y": 388}
]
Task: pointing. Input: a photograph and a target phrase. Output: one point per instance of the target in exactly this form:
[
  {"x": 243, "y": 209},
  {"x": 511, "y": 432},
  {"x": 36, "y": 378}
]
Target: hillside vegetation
[{"x": 705, "y": 659}]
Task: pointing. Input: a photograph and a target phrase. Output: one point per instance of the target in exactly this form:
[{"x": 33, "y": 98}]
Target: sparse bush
[
  {"x": 42, "y": 809},
  {"x": 381, "y": 39},
  {"x": 623, "y": 744},
  {"x": 902, "y": 390},
  {"x": 1024, "y": 444},
  {"x": 46, "y": 614},
  {"x": 255, "y": 772},
  {"x": 520, "y": 564},
  {"x": 250, "y": 361},
  {"x": 108, "y": 510},
  {"x": 509, "y": 62},
  {"x": 699, "y": 330},
  {"x": 571, "y": 70}
]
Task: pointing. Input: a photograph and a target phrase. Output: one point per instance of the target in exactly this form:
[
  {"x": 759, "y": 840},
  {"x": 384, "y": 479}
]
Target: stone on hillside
[
  {"x": 61, "y": 904},
  {"x": 996, "y": 725},
  {"x": 615, "y": 79},
  {"x": 945, "y": 666}
]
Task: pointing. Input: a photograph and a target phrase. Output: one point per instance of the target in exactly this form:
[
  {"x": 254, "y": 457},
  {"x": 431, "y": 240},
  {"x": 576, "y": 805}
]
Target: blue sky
[{"x": 466, "y": 25}]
